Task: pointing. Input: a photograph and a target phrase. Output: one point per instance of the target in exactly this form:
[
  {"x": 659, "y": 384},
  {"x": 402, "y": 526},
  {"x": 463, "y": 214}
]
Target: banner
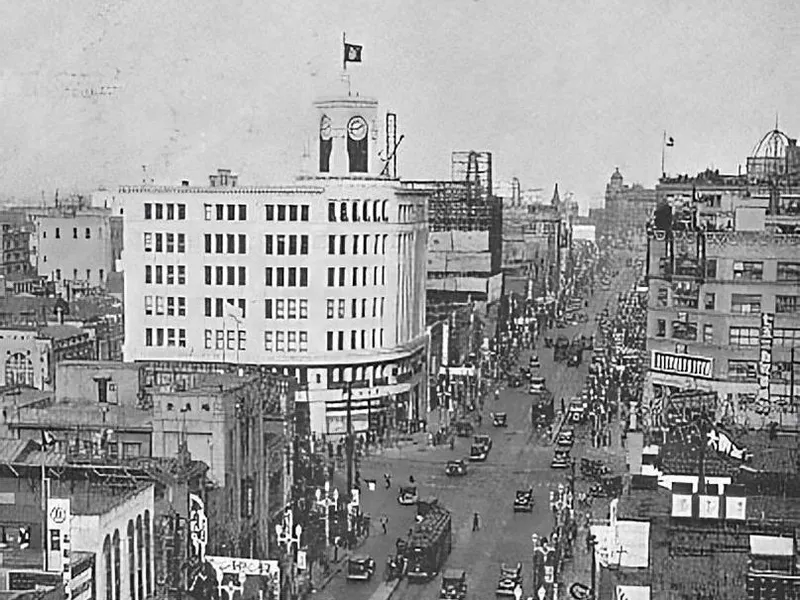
[
  {"x": 765, "y": 362},
  {"x": 198, "y": 528}
]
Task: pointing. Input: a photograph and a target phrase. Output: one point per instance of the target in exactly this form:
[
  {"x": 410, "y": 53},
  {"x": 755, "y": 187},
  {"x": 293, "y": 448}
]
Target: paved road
[{"x": 520, "y": 458}]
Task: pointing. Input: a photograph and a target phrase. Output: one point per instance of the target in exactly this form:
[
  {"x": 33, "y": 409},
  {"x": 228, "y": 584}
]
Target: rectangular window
[
  {"x": 181, "y": 212},
  {"x": 159, "y": 274},
  {"x": 159, "y": 305},
  {"x": 355, "y": 244},
  {"x": 292, "y": 276},
  {"x": 662, "y": 298},
  {"x": 375, "y": 276},
  {"x": 710, "y": 301},
  {"x": 355, "y": 276},
  {"x": 340, "y": 336},
  {"x": 268, "y": 244},
  {"x": 303, "y": 276},
  {"x": 170, "y": 243},
  {"x": 331, "y": 276},
  {"x": 230, "y": 240},
  {"x": 787, "y": 304},
  {"x": 303, "y": 308},
  {"x": 303, "y": 244},
  {"x": 342, "y": 274},
  {"x": 268, "y": 308},
  {"x": 148, "y": 336},
  {"x": 383, "y": 276},
  {"x": 220, "y": 210},
  {"x": 748, "y": 270},
  {"x": 343, "y": 212},
  {"x": 281, "y": 245},
  {"x": 281, "y": 212},
  {"x": 330, "y": 308},
  {"x": 291, "y": 308},
  {"x": 661, "y": 328},
  {"x": 170, "y": 212},
  {"x": 181, "y": 243},
  {"x": 268, "y": 277},
  {"x": 291, "y": 341},
  {"x": 219, "y": 307},
  {"x": 292, "y": 245},
  {"x": 242, "y": 275},
  {"x": 231, "y": 272},
  {"x": 364, "y": 274},
  {"x": 148, "y": 305},
  {"x": 280, "y": 276},
  {"x": 293, "y": 212},
  {"x": 684, "y": 330},
  {"x": 303, "y": 341},
  {"x": 331, "y": 214},
  {"x": 331, "y": 244},
  {"x": 342, "y": 244},
  {"x": 788, "y": 271},
  {"x": 207, "y": 305},
  {"x": 743, "y": 336},
  {"x": 181, "y": 275},
  {"x": 181, "y": 335},
  {"x": 88, "y": 233},
  {"x": 353, "y": 308},
  {"x": 383, "y": 300},
  {"x": 304, "y": 214},
  {"x": 219, "y": 243},
  {"x": 340, "y": 308},
  {"x": 363, "y": 338},
  {"x": 374, "y": 307},
  {"x": 58, "y": 233},
  {"x": 148, "y": 211},
  {"x": 356, "y": 216},
  {"x": 231, "y": 212},
  {"x": 269, "y": 212},
  {"x": 363, "y": 308},
  {"x": 208, "y": 212},
  {"x": 159, "y": 243},
  {"x": 745, "y": 304},
  {"x": 329, "y": 337},
  {"x": 366, "y": 244},
  {"x": 786, "y": 338},
  {"x": 243, "y": 212},
  {"x": 268, "y": 341},
  {"x": 170, "y": 275},
  {"x": 159, "y": 336},
  {"x": 219, "y": 273},
  {"x": 708, "y": 334},
  {"x": 159, "y": 213},
  {"x": 171, "y": 337},
  {"x": 148, "y": 242},
  {"x": 207, "y": 273},
  {"x": 242, "y": 243},
  {"x": 742, "y": 370},
  {"x": 280, "y": 337}
]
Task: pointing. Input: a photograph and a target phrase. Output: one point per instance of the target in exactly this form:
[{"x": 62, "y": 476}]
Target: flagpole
[
  {"x": 344, "y": 51},
  {"x": 663, "y": 151}
]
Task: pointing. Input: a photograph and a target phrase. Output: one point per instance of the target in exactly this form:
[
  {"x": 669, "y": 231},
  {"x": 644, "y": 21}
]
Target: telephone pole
[{"x": 349, "y": 439}]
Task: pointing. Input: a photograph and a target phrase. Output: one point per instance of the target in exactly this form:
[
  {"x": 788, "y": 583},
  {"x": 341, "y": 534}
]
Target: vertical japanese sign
[
  {"x": 765, "y": 362},
  {"x": 59, "y": 539},
  {"x": 198, "y": 527}
]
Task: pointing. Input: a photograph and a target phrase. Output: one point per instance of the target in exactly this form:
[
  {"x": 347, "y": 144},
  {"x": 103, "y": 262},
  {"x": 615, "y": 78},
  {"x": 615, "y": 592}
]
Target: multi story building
[
  {"x": 724, "y": 279},
  {"x": 322, "y": 279},
  {"x": 627, "y": 209},
  {"x": 73, "y": 245},
  {"x": 465, "y": 246}
]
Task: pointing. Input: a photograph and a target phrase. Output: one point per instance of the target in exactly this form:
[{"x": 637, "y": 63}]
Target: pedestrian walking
[
  {"x": 384, "y": 524},
  {"x": 388, "y": 479},
  {"x": 476, "y": 522},
  {"x": 452, "y": 442}
]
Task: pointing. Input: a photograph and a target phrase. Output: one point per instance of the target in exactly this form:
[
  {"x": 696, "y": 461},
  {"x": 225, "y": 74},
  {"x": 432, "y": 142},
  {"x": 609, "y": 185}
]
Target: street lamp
[
  {"x": 288, "y": 534},
  {"x": 326, "y": 500}
]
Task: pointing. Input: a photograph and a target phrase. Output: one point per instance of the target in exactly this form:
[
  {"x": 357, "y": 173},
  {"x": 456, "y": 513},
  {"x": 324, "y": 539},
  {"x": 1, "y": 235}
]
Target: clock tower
[{"x": 346, "y": 138}]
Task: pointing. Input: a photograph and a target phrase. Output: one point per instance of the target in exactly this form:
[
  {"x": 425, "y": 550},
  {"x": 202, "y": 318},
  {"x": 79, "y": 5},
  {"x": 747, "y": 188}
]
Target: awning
[
  {"x": 633, "y": 592},
  {"x": 767, "y": 545}
]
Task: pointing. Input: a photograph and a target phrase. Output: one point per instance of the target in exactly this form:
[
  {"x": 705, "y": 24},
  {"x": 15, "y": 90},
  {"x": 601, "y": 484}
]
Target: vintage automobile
[
  {"x": 478, "y": 453},
  {"x": 464, "y": 428},
  {"x": 500, "y": 419},
  {"x": 360, "y": 568},
  {"x": 510, "y": 577},
  {"x": 566, "y": 439},
  {"x": 561, "y": 459},
  {"x": 523, "y": 500},
  {"x": 537, "y": 384},
  {"x": 483, "y": 440},
  {"x": 456, "y": 467},
  {"x": 534, "y": 363},
  {"x": 454, "y": 585},
  {"x": 407, "y": 496}
]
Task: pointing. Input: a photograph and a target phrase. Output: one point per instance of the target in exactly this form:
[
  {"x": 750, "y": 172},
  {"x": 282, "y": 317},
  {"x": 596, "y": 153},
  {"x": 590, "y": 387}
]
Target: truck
[{"x": 429, "y": 544}]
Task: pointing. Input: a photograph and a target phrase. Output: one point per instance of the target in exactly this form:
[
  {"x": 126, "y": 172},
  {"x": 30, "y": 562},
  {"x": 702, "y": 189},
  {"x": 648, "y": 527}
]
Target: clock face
[
  {"x": 325, "y": 131},
  {"x": 357, "y": 128}
]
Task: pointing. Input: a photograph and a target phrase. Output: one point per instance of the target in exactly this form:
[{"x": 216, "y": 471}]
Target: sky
[{"x": 560, "y": 91}]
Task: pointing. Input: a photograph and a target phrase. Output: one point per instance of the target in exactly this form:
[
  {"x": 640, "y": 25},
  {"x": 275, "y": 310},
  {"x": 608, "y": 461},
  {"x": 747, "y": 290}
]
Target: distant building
[{"x": 626, "y": 212}]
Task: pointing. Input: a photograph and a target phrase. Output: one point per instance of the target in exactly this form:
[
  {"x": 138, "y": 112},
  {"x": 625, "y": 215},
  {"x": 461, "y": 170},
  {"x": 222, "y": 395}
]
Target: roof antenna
[{"x": 776, "y": 121}]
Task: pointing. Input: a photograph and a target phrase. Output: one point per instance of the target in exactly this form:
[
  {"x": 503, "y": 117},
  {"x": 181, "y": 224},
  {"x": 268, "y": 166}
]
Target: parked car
[
  {"x": 534, "y": 363},
  {"x": 566, "y": 439},
  {"x": 523, "y": 500},
  {"x": 561, "y": 460},
  {"x": 407, "y": 496},
  {"x": 538, "y": 384},
  {"x": 484, "y": 440},
  {"x": 454, "y": 585},
  {"x": 500, "y": 419},
  {"x": 456, "y": 467},
  {"x": 360, "y": 568},
  {"x": 478, "y": 453}
]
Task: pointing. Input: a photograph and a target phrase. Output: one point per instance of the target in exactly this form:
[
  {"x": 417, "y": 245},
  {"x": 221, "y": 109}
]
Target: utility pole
[
  {"x": 263, "y": 476},
  {"x": 349, "y": 439}
]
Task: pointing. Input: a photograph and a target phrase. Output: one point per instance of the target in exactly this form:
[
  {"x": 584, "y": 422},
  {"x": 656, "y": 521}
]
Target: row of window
[
  {"x": 737, "y": 336},
  {"x": 339, "y": 278},
  {"x": 87, "y": 233},
  {"x": 337, "y": 308},
  {"x": 345, "y": 211},
  {"x": 225, "y": 339},
  {"x": 225, "y": 275},
  {"x": 286, "y": 277},
  {"x": 165, "y": 336},
  {"x": 165, "y": 305},
  {"x": 215, "y": 307},
  {"x": 175, "y": 274},
  {"x": 168, "y": 211},
  {"x": 286, "y": 212},
  {"x": 228, "y": 243},
  {"x": 754, "y": 271},
  {"x": 359, "y": 339},
  {"x": 286, "y": 341},
  {"x": 286, "y": 244},
  {"x": 225, "y": 212},
  {"x": 165, "y": 242},
  {"x": 286, "y": 308},
  {"x": 139, "y": 543},
  {"x": 338, "y": 244},
  {"x": 686, "y": 296},
  {"x": 100, "y": 274},
  {"x": 747, "y": 370}
]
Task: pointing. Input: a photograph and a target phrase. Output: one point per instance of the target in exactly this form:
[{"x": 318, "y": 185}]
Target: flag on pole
[
  {"x": 352, "y": 52},
  {"x": 48, "y": 439},
  {"x": 670, "y": 142},
  {"x": 234, "y": 312}
]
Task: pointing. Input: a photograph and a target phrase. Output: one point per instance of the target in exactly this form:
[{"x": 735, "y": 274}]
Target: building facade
[
  {"x": 323, "y": 279},
  {"x": 724, "y": 294},
  {"x": 627, "y": 209}
]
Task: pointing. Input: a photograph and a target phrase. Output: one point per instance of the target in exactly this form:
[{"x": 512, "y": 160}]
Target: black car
[
  {"x": 500, "y": 419},
  {"x": 478, "y": 453},
  {"x": 523, "y": 500},
  {"x": 456, "y": 467}
]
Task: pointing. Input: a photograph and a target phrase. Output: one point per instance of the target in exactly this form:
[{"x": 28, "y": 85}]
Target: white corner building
[{"x": 323, "y": 279}]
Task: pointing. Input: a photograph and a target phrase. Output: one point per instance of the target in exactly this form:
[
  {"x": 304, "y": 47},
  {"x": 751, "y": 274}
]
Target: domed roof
[{"x": 616, "y": 175}]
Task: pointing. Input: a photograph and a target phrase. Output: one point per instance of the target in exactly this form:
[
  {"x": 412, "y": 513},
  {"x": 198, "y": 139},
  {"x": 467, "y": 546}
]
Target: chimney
[
  {"x": 185, "y": 183},
  {"x": 735, "y": 503},
  {"x": 682, "y": 496}
]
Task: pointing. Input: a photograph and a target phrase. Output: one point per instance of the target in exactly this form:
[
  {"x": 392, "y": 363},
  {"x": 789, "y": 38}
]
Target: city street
[{"x": 520, "y": 458}]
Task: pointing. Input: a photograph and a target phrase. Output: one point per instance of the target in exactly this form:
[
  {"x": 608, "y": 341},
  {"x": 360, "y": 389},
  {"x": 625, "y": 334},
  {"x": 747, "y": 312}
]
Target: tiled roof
[{"x": 12, "y": 449}]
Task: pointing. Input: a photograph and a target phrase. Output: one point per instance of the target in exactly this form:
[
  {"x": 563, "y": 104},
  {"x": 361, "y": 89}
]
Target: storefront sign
[
  {"x": 765, "y": 362},
  {"x": 682, "y": 364},
  {"x": 246, "y": 577},
  {"x": 59, "y": 539}
]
